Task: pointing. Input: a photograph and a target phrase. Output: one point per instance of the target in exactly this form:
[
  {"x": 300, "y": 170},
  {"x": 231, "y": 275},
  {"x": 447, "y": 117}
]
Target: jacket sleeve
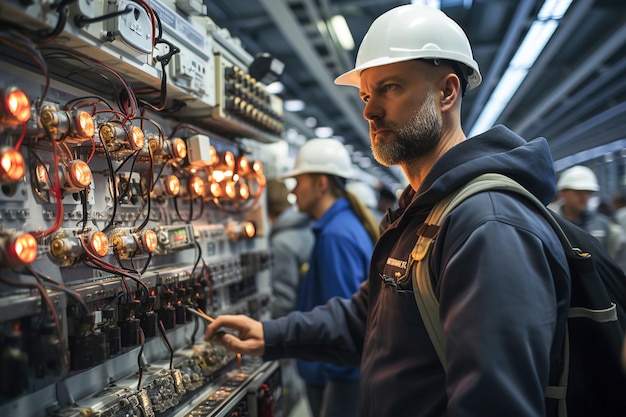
[
  {"x": 331, "y": 333},
  {"x": 499, "y": 309}
]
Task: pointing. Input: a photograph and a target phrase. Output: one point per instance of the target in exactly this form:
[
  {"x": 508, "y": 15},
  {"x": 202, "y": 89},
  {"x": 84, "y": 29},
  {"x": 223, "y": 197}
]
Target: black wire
[
  {"x": 167, "y": 342},
  {"x": 113, "y": 187},
  {"x": 196, "y": 327},
  {"x": 83, "y": 201},
  {"x": 148, "y": 203},
  {"x": 117, "y": 297},
  {"x": 142, "y": 337},
  {"x": 145, "y": 267},
  {"x": 195, "y": 265},
  {"x": 135, "y": 154}
]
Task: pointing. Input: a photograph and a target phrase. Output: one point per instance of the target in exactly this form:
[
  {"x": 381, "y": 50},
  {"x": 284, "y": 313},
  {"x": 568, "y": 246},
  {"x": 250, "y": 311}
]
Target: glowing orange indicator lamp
[
  {"x": 137, "y": 138},
  {"x": 15, "y": 107},
  {"x": 213, "y": 158},
  {"x": 12, "y": 166},
  {"x": 227, "y": 163},
  {"x": 196, "y": 186},
  {"x": 230, "y": 190},
  {"x": 79, "y": 174},
  {"x": 243, "y": 165},
  {"x": 172, "y": 185},
  {"x": 149, "y": 240},
  {"x": 216, "y": 189},
  {"x": 179, "y": 148},
  {"x": 85, "y": 124},
  {"x": 244, "y": 191},
  {"x": 257, "y": 167},
  {"x": 249, "y": 230},
  {"x": 21, "y": 249},
  {"x": 99, "y": 243}
]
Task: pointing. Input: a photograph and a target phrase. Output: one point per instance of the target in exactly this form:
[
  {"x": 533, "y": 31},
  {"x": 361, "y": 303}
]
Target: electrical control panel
[{"x": 131, "y": 183}]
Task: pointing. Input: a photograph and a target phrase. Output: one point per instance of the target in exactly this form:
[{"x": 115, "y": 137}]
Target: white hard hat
[
  {"x": 322, "y": 156},
  {"x": 578, "y": 177},
  {"x": 412, "y": 32}
]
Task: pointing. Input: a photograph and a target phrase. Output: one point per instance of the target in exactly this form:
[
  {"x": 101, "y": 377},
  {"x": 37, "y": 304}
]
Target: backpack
[{"x": 591, "y": 380}]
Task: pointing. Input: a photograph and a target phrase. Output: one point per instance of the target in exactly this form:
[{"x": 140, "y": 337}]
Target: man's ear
[{"x": 450, "y": 92}]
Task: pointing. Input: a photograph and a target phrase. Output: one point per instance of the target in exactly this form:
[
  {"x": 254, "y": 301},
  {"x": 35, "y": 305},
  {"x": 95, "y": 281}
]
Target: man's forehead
[{"x": 396, "y": 69}]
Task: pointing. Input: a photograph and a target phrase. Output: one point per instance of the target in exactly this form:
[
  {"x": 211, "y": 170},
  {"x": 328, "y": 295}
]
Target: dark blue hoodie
[{"x": 503, "y": 286}]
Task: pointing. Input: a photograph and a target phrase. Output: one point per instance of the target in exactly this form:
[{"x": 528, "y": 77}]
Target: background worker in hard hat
[
  {"x": 345, "y": 233},
  {"x": 575, "y": 187},
  {"x": 498, "y": 268},
  {"x": 291, "y": 241}
]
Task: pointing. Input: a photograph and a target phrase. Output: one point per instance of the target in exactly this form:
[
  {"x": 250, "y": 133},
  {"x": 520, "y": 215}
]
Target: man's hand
[{"x": 250, "y": 340}]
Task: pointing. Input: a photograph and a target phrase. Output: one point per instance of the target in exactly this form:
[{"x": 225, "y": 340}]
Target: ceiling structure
[{"x": 574, "y": 94}]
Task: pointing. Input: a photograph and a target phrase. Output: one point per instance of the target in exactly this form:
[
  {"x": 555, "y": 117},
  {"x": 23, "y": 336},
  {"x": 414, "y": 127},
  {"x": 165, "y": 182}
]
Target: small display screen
[{"x": 178, "y": 235}]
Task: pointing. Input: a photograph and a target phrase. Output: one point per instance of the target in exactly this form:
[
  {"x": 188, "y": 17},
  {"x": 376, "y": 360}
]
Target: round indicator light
[
  {"x": 216, "y": 190},
  {"x": 17, "y": 105},
  {"x": 150, "y": 240},
  {"x": 244, "y": 191},
  {"x": 196, "y": 186},
  {"x": 137, "y": 138},
  {"x": 243, "y": 165},
  {"x": 80, "y": 174},
  {"x": 249, "y": 230},
  {"x": 228, "y": 159},
  {"x": 12, "y": 166},
  {"x": 23, "y": 248},
  {"x": 172, "y": 185},
  {"x": 230, "y": 189},
  {"x": 179, "y": 148},
  {"x": 99, "y": 243},
  {"x": 85, "y": 124}
]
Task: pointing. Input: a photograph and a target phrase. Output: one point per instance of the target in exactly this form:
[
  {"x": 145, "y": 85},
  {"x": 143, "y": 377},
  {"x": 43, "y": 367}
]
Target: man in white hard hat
[
  {"x": 498, "y": 269},
  {"x": 575, "y": 187}
]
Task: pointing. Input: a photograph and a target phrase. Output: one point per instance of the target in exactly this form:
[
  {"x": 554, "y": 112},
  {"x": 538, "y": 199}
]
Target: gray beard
[{"x": 416, "y": 138}]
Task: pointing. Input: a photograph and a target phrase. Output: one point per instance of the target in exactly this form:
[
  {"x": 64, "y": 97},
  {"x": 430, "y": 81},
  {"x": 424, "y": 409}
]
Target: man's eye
[
  {"x": 365, "y": 98},
  {"x": 388, "y": 87}
]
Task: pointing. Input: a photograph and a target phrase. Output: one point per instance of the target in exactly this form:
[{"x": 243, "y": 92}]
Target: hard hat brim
[{"x": 353, "y": 77}]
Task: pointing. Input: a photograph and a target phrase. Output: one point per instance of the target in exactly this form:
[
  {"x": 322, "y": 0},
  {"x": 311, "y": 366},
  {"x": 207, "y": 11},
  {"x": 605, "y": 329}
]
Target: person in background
[
  {"x": 619, "y": 208},
  {"x": 291, "y": 242},
  {"x": 500, "y": 273},
  {"x": 575, "y": 187},
  {"x": 345, "y": 232}
]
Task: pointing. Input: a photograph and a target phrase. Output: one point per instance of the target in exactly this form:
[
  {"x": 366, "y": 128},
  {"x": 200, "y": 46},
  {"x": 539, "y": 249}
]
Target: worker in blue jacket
[
  {"x": 497, "y": 267},
  {"x": 345, "y": 232}
]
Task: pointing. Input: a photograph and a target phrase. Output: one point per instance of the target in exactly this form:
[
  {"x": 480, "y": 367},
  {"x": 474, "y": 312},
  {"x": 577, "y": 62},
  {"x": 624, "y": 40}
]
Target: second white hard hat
[
  {"x": 322, "y": 156},
  {"x": 412, "y": 32},
  {"x": 578, "y": 177}
]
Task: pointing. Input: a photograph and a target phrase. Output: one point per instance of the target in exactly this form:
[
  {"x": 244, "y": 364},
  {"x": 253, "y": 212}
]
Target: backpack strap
[{"x": 425, "y": 296}]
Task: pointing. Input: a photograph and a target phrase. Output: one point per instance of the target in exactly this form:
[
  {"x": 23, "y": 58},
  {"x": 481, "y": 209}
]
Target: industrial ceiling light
[
  {"x": 294, "y": 105},
  {"x": 275, "y": 88},
  {"x": 342, "y": 32},
  {"x": 324, "y": 132},
  {"x": 536, "y": 39}
]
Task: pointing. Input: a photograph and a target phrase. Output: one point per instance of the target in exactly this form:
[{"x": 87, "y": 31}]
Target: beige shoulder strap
[{"x": 423, "y": 290}]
